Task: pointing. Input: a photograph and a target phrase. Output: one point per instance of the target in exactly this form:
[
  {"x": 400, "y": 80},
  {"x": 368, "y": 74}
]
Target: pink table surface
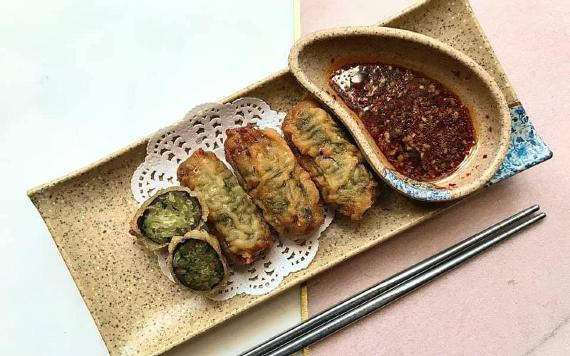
[{"x": 515, "y": 299}]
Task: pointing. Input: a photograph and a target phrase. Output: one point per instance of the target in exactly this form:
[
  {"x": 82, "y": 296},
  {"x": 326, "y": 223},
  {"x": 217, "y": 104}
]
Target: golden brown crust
[
  {"x": 334, "y": 163},
  {"x": 269, "y": 172},
  {"x": 233, "y": 217}
]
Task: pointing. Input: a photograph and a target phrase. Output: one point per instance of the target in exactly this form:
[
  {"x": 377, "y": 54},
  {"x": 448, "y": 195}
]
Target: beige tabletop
[{"x": 514, "y": 299}]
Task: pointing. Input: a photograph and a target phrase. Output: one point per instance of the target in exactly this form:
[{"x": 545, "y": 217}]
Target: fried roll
[
  {"x": 233, "y": 217},
  {"x": 334, "y": 163},
  {"x": 170, "y": 212},
  {"x": 269, "y": 172},
  {"x": 195, "y": 260}
]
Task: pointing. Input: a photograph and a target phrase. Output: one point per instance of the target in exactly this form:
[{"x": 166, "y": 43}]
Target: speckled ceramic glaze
[
  {"x": 314, "y": 57},
  {"x": 140, "y": 312}
]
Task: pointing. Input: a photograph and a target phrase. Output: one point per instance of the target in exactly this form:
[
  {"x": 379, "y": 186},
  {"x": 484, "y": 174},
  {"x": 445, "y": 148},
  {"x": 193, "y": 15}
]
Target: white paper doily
[{"x": 205, "y": 127}]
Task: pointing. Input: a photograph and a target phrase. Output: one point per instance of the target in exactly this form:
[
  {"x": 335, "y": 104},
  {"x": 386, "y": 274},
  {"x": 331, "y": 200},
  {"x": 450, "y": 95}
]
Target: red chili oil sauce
[{"x": 422, "y": 128}]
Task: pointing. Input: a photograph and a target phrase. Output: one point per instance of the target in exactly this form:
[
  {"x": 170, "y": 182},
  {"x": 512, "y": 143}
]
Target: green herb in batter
[
  {"x": 197, "y": 265},
  {"x": 171, "y": 214}
]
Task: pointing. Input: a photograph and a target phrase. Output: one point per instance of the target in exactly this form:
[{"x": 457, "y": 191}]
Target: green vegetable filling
[
  {"x": 171, "y": 214},
  {"x": 197, "y": 265}
]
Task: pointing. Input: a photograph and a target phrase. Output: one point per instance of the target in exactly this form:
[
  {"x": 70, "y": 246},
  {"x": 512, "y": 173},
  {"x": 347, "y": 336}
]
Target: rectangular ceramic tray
[{"x": 136, "y": 309}]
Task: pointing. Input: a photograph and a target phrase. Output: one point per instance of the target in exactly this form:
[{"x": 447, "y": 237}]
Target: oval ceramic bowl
[{"x": 315, "y": 56}]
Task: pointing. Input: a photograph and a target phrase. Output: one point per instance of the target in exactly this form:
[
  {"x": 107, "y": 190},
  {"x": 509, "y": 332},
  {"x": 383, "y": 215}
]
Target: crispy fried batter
[
  {"x": 334, "y": 163},
  {"x": 269, "y": 172},
  {"x": 237, "y": 222}
]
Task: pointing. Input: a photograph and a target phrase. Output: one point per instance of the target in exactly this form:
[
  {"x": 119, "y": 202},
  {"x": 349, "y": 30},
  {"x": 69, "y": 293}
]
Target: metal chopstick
[
  {"x": 397, "y": 292},
  {"x": 383, "y": 286}
]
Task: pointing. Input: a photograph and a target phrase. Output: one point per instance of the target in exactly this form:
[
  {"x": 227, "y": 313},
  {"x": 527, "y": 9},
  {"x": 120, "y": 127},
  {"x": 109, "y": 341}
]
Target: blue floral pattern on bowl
[
  {"x": 527, "y": 149},
  {"x": 416, "y": 190}
]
